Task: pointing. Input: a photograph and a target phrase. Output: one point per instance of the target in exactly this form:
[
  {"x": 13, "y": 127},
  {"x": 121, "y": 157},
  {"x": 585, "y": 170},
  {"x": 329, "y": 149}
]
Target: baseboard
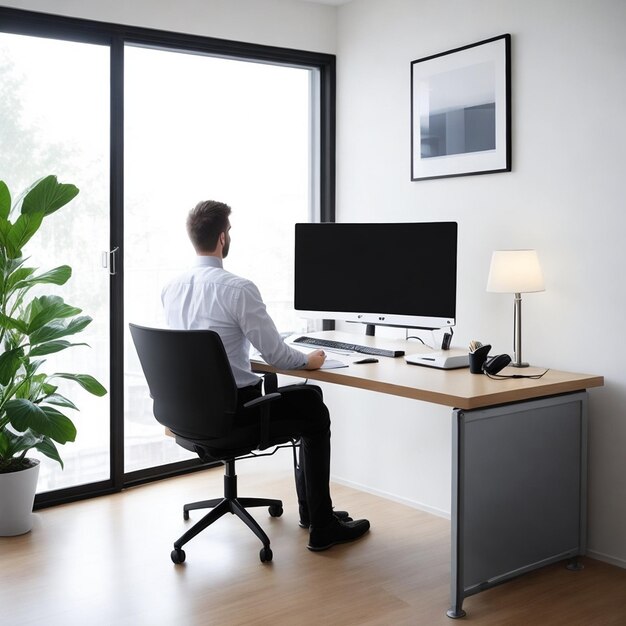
[
  {"x": 606, "y": 558},
  {"x": 420, "y": 506}
]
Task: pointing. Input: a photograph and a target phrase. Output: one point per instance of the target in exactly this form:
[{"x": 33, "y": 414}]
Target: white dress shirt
[{"x": 208, "y": 297}]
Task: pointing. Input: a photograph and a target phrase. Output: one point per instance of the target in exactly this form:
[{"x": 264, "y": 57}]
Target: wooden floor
[{"x": 106, "y": 561}]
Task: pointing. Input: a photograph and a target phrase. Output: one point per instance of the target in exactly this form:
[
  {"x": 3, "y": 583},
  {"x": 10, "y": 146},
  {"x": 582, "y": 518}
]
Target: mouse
[{"x": 369, "y": 359}]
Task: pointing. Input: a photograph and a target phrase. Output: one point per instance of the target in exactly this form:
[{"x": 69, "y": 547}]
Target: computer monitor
[{"x": 390, "y": 274}]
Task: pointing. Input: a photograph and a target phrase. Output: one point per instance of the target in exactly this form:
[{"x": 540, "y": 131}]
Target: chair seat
[{"x": 208, "y": 452}]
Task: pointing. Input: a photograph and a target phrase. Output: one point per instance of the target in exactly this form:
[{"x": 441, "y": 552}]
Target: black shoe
[
  {"x": 336, "y": 532},
  {"x": 341, "y": 515}
]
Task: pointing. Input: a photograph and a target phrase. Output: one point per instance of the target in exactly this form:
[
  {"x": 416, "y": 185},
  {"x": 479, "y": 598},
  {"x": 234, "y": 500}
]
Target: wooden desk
[
  {"x": 519, "y": 459},
  {"x": 454, "y": 388}
]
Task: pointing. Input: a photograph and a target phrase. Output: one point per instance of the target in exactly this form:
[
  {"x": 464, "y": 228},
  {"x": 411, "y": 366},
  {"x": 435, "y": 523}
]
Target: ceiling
[{"x": 332, "y": 2}]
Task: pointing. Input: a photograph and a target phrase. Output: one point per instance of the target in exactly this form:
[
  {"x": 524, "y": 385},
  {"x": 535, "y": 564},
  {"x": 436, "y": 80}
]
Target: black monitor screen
[{"x": 400, "y": 274}]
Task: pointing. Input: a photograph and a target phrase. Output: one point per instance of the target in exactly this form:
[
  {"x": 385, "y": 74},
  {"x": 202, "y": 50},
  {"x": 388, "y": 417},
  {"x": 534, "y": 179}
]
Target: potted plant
[{"x": 31, "y": 327}]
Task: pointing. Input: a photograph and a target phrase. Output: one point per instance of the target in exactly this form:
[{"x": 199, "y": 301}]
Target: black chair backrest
[{"x": 190, "y": 380}]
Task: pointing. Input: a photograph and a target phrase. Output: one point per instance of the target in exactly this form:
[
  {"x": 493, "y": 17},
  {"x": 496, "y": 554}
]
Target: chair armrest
[
  {"x": 270, "y": 397},
  {"x": 263, "y": 403}
]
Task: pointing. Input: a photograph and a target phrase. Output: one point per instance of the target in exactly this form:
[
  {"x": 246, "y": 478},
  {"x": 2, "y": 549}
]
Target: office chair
[{"x": 195, "y": 397}]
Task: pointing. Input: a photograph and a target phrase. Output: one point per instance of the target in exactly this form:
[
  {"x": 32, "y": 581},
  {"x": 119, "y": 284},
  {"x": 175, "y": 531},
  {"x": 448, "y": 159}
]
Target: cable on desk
[
  {"x": 445, "y": 343},
  {"x": 416, "y": 337},
  {"x": 505, "y": 377}
]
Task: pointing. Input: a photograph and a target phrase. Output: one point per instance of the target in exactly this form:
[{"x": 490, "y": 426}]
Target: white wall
[{"x": 562, "y": 197}]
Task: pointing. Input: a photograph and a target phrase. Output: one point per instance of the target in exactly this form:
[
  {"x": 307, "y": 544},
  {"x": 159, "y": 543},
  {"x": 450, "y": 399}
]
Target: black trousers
[{"x": 300, "y": 413}]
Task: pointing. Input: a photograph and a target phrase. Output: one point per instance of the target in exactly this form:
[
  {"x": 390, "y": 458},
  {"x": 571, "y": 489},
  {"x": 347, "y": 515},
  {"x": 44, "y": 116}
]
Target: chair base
[{"x": 230, "y": 503}]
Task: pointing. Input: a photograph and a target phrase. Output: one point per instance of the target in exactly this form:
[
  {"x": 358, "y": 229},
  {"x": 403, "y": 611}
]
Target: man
[{"x": 209, "y": 297}]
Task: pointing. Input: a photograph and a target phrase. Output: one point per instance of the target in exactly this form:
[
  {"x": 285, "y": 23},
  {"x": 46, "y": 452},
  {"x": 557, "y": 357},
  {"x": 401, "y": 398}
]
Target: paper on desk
[{"x": 331, "y": 364}]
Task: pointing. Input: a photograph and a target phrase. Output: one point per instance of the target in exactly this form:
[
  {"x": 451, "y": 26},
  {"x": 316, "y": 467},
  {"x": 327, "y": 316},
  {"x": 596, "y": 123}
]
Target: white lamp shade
[{"x": 515, "y": 271}]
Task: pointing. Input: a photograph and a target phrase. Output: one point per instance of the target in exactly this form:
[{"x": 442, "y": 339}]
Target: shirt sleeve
[{"x": 261, "y": 332}]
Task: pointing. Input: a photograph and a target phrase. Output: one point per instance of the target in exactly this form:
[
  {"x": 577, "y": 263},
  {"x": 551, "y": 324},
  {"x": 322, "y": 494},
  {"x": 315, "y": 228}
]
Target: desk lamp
[{"x": 515, "y": 271}]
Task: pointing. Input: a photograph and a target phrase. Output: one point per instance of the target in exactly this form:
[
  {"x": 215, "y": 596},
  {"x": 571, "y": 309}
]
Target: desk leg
[{"x": 456, "y": 561}]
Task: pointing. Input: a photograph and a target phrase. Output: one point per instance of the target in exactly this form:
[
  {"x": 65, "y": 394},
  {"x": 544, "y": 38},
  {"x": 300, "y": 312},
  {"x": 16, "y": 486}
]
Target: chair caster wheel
[
  {"x": 266, "y": 554},
  {"x": 276, "y": 510},
  {"x": 178, "y": 556}
]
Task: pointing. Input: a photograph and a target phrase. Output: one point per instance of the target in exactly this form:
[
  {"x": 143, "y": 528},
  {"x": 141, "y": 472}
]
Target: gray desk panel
[{"x": 519, "y": 492}]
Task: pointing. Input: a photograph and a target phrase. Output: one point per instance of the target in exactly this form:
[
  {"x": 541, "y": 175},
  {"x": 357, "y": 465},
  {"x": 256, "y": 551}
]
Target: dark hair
[{"x": 205, "y": 222}]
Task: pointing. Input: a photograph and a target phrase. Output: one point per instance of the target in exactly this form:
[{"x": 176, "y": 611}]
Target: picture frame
[{"x": 461, "y": 111}]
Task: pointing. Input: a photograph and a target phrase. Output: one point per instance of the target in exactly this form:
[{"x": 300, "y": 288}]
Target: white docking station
[{"x": 442, "y": 359}]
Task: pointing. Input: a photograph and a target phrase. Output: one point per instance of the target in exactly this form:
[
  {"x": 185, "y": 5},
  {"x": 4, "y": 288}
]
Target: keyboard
[{"x": 350, "y": 347}]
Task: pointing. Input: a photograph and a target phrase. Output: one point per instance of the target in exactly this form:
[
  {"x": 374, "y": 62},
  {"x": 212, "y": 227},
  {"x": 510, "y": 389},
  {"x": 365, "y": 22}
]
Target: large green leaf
[
  {"x": 10, "y": 362},
  {"x": 24, "y": 414},
  {"x": 58, "y": 276},
  {"x": 57, "y": 329},
  {"x": 47, "y": 196},
  {"x": 20, "y": 233},
  {"x": 53, "y": 346},
  {"x": 58, "y": 400},
  {"x": 85, "y": 381},
  {"x": 48, "y": 308},
  {"x": 46, "y": 446},
  {"x": 5, "y": 200}
]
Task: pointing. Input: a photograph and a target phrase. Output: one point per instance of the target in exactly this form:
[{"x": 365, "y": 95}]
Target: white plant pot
[{"x": 17, "y": 494}]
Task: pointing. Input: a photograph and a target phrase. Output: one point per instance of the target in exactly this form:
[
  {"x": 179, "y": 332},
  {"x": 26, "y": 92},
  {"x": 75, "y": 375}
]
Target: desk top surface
[{"x": 456, "y": 388}]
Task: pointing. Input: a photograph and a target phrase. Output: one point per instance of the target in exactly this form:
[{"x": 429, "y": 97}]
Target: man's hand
[{"x": 315, "y": 360}]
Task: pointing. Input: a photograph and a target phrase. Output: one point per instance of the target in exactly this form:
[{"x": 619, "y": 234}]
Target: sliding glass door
[
  {"x": 54, "y": 119},
  {"x": 200, "y": 127}
]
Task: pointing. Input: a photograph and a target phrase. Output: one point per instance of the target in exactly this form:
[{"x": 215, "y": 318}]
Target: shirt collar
[{"x": 208, "y": 261}]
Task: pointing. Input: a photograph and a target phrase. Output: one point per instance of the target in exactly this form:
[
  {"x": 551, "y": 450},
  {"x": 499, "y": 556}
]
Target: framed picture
[{"x": 461, "y": 111}]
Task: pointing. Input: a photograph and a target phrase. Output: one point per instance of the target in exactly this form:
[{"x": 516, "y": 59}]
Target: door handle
[{"x": 108, "y": 260}]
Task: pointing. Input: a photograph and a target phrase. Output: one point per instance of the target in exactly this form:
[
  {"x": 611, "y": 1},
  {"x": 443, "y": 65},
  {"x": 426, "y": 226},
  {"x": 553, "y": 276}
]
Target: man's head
[{"x": 208, "y": 226}]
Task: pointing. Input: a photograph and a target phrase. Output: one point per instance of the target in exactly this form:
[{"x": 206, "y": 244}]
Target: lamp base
[{"x": 519, "y": 364}]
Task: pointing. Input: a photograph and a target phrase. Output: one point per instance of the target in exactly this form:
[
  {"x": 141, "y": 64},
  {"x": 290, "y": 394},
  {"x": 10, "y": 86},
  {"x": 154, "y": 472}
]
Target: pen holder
[{"x": 477, "y": 359}]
